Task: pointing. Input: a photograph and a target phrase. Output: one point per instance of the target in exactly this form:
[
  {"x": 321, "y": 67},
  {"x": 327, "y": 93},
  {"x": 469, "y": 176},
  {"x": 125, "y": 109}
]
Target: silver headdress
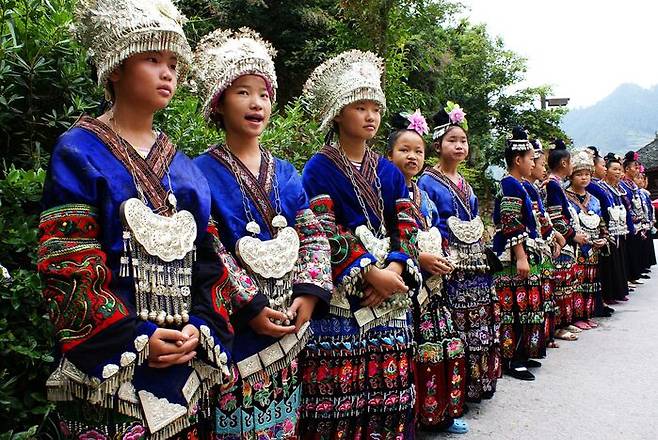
[
  {"x": 223, "y": 56},
  {"x": 539, "y": 148},
  {"x": 349, "y": 77},
  {"x": 114, "y": 30},
  {"x": 582, "y": 160},
  {"x": 519, "y": 140},
  {"x": 452, "y": 115}
]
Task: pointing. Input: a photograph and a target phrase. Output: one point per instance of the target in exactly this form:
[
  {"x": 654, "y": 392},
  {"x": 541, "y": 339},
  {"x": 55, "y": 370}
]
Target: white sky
[{"x": 583, "y": 48}]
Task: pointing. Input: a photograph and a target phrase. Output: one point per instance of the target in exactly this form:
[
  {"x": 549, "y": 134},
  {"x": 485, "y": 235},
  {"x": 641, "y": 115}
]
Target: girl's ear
[
  {"x": 115, "y": 75},
  {"x": 219, "y": 107}
]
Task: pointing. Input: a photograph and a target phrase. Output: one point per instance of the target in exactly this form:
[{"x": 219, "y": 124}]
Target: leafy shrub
[
  {"x": 45, "y": 81},
  {"x": 25, "y": 332}
]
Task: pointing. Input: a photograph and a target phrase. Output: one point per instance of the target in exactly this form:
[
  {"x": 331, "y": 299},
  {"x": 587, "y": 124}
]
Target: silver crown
[
  {"x": 519, "y": 145},
  {"x": 222, "y": 56},
  {"x": 347, "y": 78},
  {"x": 539, "y": 150},
  {"x": 114, "y": 30},
  {"x": 582, "y": 160}
]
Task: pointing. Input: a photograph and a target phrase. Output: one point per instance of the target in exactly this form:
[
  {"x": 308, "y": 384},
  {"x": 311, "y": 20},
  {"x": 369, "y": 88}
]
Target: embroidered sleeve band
[
  {"x": 404, "y": 234},
  {"x": 349, "y": 258},
  {"x": 76, "y": 276},
  {"x": 314, "y": 262},
  {"x": 560, "y": 222},
  {"x": 511, "y": 226},
  {"x": 235, "y": 293}
]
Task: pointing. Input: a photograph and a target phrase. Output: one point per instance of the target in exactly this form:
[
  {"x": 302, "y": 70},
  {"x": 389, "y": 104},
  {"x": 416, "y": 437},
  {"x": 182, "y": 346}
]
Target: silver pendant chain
[
  {"x": 378, "y": 186},
  {"x": 243, "y": 193},
  {"x": 612, "y": 189},
  {"x": 171, "y": 198},
  {"x": 456, "y": 200}
]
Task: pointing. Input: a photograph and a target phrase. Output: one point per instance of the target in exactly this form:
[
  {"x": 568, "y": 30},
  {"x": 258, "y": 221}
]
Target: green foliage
[
  {"x": 184, "y": 124},
  {"x": 290, "y": 135},
  {"x": 45, "y": 82},
  {"x": 301, "y": 32},
  {"x": 25, "y": 331}
]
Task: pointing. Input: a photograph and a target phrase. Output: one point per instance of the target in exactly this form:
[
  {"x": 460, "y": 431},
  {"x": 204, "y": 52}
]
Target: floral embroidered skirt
[
  {"x": 80, "y": 420},
  {"x": 563, "y": 293},
  {"x": 587, "y": 285},
  {"x": 264, "y": 410},
  {"x": 440, "y": 365},
  {"x": 475, "y": 314},
  {"x": 547, "y": 271},
  {"x": 521, "y": 312},
  {"x": 357, "y": 385}
]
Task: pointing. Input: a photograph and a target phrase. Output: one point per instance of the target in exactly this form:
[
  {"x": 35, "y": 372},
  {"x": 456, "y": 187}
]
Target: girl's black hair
[
  {"x": 442, "y": 118},
  {"x": 399, "y": 125},
  {"x": 557, "y": 154},
  {"x": 518, "y": 134},
  {"x": 629, "y": 158},
  {"x": 215, "y": 116},
  {"x": 611, "y": 158}
]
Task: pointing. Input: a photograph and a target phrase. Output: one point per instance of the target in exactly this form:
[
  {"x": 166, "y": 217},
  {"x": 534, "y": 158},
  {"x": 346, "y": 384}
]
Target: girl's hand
[
  {"x": 382, "y": 285},
  {"x": 263, "y": 325},
  {"x": 302, "y": 307},
  {"x": 171, "y": 347},
  {"x": 522, "y": 268},
  {"x": 434, "y": 264},
  {"x": 580, "y": 238}
]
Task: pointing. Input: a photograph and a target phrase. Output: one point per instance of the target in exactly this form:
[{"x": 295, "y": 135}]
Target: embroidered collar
[
  {"x": 631, "y": 184},
  {"x": 364, "y": 175},
  {"x": 463, "y": 195},
  {"x": 258, "y": 187},
  {"x": 148, "y": 171},
  {"x": 417, "y": 205},
  {"x": 618, "y": 190},
  {"x": 581, "y": 200}
]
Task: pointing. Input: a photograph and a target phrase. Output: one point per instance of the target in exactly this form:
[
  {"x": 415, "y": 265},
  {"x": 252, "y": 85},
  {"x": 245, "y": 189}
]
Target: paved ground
[{"x": 602, "y": 387}]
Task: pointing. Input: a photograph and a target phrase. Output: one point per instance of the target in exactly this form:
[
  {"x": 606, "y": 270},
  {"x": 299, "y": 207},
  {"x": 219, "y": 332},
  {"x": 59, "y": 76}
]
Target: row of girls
[
  {"x": 572, "y": 239},
  {"x": 229, "y": 297}
]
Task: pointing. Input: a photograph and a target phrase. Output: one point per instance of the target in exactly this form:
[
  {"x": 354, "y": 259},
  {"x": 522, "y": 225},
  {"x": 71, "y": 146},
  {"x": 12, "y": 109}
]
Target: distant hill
[{"x": 626, "y": 119}]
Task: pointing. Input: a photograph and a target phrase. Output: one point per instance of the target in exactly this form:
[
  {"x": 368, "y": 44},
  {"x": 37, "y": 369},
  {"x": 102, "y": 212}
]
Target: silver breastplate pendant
[
  {"x": 271, "y": 262},
  {"x": 159, "y": 253}
]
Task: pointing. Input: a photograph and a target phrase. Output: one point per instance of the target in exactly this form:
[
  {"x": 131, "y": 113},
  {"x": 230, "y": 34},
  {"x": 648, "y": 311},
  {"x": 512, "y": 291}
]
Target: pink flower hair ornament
[
  {"x": 454, "y": 116},
  {"x": 417, "y": 122}
]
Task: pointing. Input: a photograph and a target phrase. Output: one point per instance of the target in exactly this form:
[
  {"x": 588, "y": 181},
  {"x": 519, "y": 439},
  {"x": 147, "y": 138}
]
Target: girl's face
[
  {"x": 599, "y": 168},
  {"x": 147, "y": 79},
  {"x": 246, "y": 106},
  {"x": 565, "y": 164},
  {"x": 639, "y": 180},
  {"x": 525, "y": 163},
  {"x": 408, "y": 153},
  {"x": 359, "y": 120},
  {"x": 454, "y": 145},
  {"x": 580, "y": 179},
  {"x": 614, "y": 172},
  {"x": 632, "y": 169},
  {"x": 539, "y": 171}
]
